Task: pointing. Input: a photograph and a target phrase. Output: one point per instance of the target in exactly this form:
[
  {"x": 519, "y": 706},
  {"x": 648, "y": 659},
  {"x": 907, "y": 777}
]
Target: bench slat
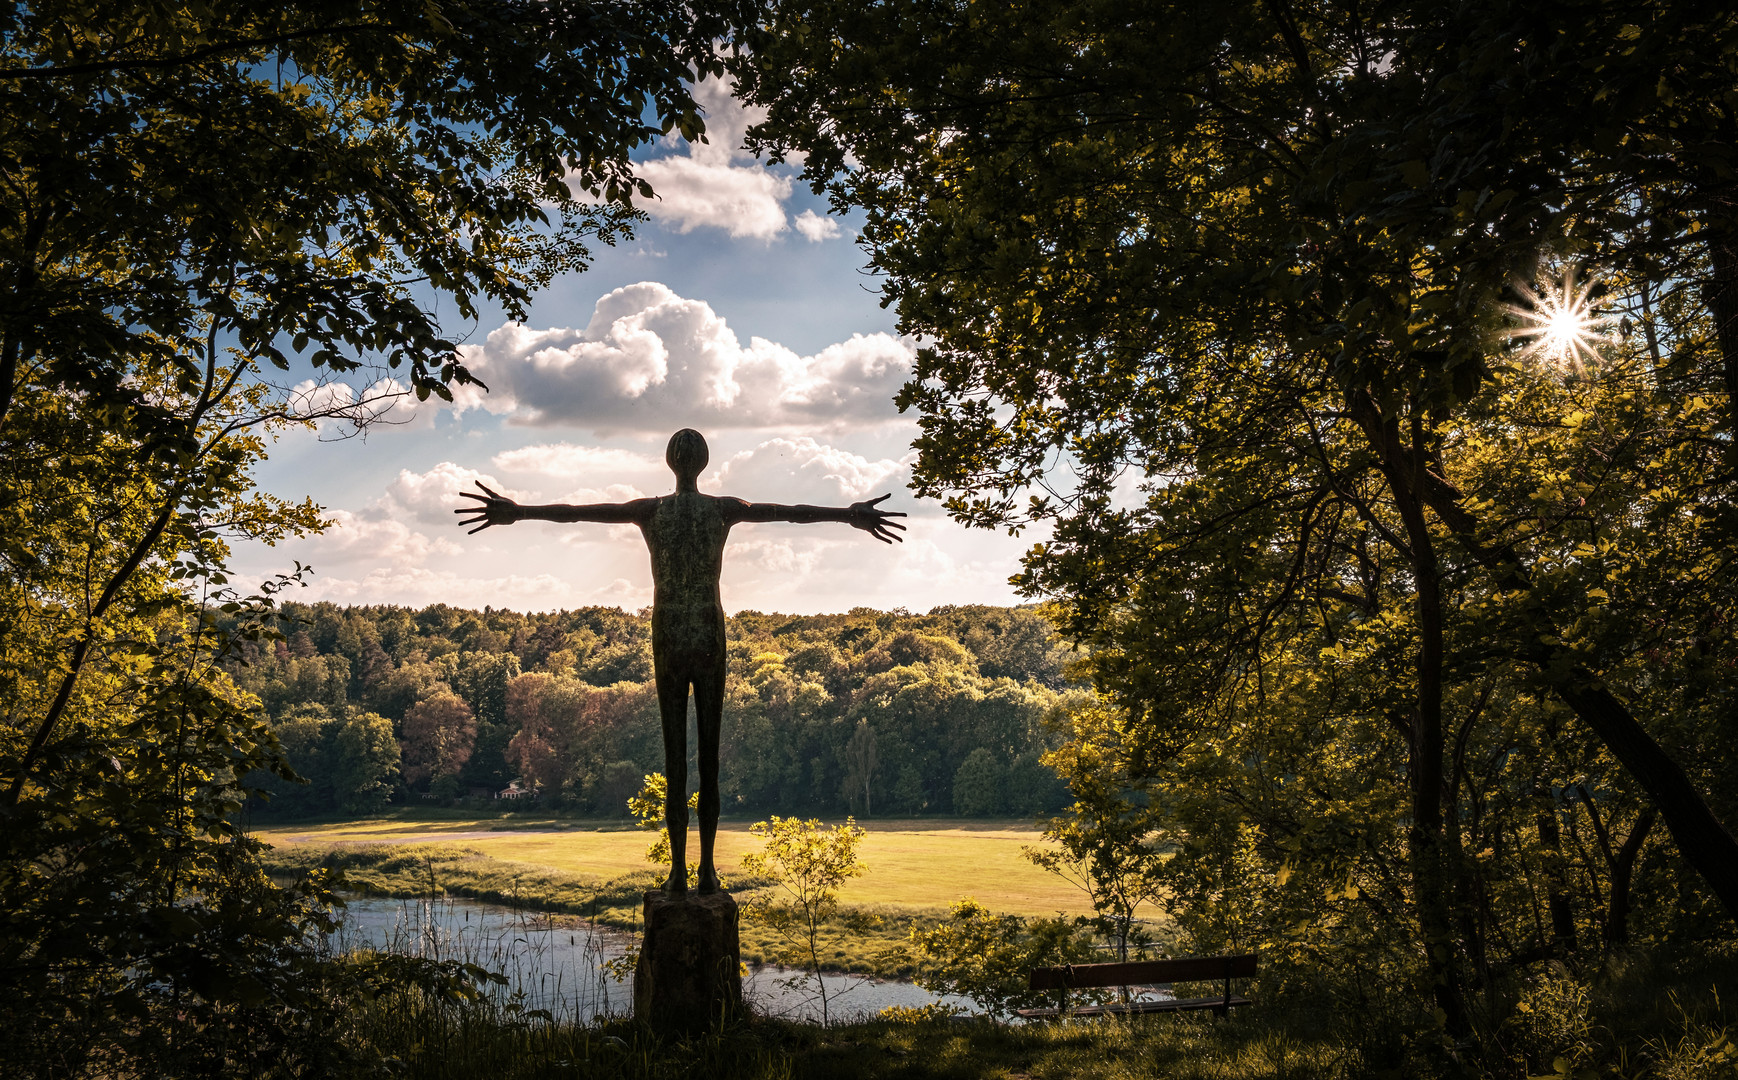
[
  {"x": 1189, "y": 969},
  {"x": 1186, "y": 1005}
]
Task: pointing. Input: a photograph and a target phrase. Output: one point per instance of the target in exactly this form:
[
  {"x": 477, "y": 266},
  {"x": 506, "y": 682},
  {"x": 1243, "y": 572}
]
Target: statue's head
[{"x": 686, "y": 454}]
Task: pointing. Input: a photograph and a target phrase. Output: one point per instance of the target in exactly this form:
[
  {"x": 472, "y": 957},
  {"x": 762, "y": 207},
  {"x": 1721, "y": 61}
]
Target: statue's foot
[
  {"x": 709, "y": 880},
  {"x": 677, "y": 883}
]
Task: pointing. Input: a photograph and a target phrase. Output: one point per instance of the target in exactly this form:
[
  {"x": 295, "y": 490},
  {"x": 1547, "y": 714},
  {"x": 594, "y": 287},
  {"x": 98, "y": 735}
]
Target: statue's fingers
[
  {"x": 478, "y": 529},
  {"x": 893, "y": 513},
  {"x": 485, "y": 487},
  {"x": 882, "y": 499},
  {"x": 470, "y": 495},
  {"x": 894, "y": 524}
]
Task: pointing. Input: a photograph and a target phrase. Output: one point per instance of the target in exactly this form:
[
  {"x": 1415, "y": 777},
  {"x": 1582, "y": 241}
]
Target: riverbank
[
  {"x": 578, "y": 971},
  {"x": 863, "y": 940}
]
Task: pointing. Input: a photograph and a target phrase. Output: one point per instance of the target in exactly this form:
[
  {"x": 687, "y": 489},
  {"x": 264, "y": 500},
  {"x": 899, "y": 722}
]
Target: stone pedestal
[{"x": 689, "y": 976}]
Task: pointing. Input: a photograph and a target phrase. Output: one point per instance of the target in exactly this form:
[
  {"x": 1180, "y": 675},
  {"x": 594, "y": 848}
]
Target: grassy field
[{"x": 920, "y": 864}]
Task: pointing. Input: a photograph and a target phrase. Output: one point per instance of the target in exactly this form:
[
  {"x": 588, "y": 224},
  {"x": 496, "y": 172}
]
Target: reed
[{"x": 1272, "y": 1042}]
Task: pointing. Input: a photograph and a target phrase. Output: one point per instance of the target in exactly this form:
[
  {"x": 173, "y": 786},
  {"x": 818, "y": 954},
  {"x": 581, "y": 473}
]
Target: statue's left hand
[
  {"x": 871, "y": 519},
  {"x": 492, "y": 509}
]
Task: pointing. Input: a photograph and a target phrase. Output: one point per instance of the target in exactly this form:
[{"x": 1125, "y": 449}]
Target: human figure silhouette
[{"x": 685, "y": 532}]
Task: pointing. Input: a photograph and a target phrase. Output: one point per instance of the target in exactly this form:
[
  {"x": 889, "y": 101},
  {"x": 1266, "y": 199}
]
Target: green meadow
[
  {"x": 913, "y": 870},
  {"x": 915, "y": 864}
]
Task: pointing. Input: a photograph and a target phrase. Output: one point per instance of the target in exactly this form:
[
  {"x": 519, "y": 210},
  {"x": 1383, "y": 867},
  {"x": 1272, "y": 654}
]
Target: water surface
[{"x": 558, "y": 962}]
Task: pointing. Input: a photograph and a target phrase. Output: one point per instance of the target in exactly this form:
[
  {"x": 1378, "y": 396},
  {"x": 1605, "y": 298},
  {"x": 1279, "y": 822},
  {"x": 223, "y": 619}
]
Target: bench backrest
[{"x": 1136, "y": 972}]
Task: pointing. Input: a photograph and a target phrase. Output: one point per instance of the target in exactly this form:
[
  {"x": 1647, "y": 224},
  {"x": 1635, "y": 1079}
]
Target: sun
[{"x": 1560, "y": 325}]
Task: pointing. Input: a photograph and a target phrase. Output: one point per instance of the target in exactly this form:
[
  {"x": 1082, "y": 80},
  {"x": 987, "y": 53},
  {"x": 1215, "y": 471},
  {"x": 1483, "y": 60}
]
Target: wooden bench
[{"x": 1141, "y": 973}]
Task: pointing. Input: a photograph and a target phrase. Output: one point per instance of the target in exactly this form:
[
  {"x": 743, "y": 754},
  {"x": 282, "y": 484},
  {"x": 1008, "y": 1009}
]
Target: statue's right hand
[{"x": 492, "y": 509}]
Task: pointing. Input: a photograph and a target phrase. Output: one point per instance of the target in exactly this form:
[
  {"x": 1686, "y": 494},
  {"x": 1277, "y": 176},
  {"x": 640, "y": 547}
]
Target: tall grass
[{"x": 1265, "y": 1042}]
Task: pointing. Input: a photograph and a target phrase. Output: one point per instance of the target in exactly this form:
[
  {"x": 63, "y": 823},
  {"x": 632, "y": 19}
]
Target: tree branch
[{"x": 54, "y": 71}]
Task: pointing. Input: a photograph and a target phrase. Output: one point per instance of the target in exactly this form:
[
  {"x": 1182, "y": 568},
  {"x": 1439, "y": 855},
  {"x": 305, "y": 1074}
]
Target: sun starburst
[{"x": 1559, "y": 324}]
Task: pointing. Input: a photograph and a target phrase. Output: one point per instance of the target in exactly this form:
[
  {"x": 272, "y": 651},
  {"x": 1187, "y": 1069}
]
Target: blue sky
[{"x": 741, "y": 310}]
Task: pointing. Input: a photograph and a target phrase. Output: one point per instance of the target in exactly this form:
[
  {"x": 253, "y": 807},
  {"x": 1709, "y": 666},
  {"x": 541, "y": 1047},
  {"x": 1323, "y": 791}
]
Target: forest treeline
[{"x": 869, "y": 712}]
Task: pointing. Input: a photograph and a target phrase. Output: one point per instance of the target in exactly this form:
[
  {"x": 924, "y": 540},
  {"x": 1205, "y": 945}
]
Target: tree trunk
[
  {"x": 1700, "y": 837},
  {"x": 1622, "y": 873},
  {"x": 1557, "y": 899},
  {"x": 1426, "y": 849}
]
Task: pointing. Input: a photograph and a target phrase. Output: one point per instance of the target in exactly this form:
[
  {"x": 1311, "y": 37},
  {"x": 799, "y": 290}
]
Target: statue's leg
[
  {"x": 673, "y": 711},
  {"x": 709, "y": 716}
]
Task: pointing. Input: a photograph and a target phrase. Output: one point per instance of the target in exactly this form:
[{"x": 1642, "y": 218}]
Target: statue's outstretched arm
[
  {"x": 865, "y": 515},
  {"x": 496, "y": 509}
]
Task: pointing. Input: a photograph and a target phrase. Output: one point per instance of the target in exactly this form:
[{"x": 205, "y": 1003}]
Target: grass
[
  {"x": 1650, "y": 1022},
  {"x": 1174, "y": 1048},
  {"x": 918, "y": 865}
]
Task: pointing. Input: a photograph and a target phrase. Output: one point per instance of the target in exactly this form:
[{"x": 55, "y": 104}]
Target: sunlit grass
[{"x": 919, "y": 864}]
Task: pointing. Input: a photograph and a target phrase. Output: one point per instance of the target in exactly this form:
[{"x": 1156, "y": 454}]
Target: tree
[
  {"x": 860, "y": 762},
  {"x": 192, "y": 197},
  {"x": 1033, "y": 787},
  {"x": 979, "y": 785},
  {"x": 1273, "y": 285},
  {"x": 407, "y": 145},
  {"x": 305, "y": 738},
  {"x": 908, "y": 795},
  {"x": 539, "y": 745},
  {"x": 481, "y": 681},
  {"x": 647, "y": 807},
  {"x": 120, "y": 869},
  {"x": 809, "y": 862},
  {"x": 365, "y": 764},
  {"x": 438, "y": 733},
  {"x": 989, "y": 958},
  {"x": 1104, "y": 844}
]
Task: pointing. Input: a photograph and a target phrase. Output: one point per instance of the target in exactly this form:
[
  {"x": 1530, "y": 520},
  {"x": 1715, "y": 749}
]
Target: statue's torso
[{"x": 686, "y": 535}]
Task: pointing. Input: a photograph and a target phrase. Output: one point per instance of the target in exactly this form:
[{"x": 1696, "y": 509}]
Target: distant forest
[{"x": 873, "y": 713}]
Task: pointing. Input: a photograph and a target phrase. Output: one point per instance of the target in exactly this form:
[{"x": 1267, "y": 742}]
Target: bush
[{"x": 989, "y": 958}]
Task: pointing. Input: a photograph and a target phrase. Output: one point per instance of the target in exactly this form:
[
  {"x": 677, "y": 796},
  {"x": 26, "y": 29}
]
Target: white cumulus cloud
[
  {"x": 650, "y": 360},
  {"x": 716, "y": 183},
  {"x": 432, "y": 496},
  {"x": 802, "y": 470},
  {"x": 366, "y": 538},
  {"x": 815, "y": 227},
  {"x": 569, "y": 460},
  {"x": 743, "y": 200}
]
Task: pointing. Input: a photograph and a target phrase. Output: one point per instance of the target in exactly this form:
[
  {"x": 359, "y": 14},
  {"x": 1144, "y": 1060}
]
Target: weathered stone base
[{"x": 689, "y": 976}]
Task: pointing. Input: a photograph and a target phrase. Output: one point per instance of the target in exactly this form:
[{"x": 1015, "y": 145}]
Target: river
[{"x": 557, "y": 962}]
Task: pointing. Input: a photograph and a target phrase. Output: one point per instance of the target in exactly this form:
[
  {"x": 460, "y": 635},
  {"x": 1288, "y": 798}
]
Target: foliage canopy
[{"x": 1227, "y": 297}]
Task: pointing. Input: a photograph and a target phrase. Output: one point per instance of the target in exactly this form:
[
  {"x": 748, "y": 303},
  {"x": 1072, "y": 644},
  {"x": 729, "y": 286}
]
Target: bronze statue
[{"x": 686, "y": 532}]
